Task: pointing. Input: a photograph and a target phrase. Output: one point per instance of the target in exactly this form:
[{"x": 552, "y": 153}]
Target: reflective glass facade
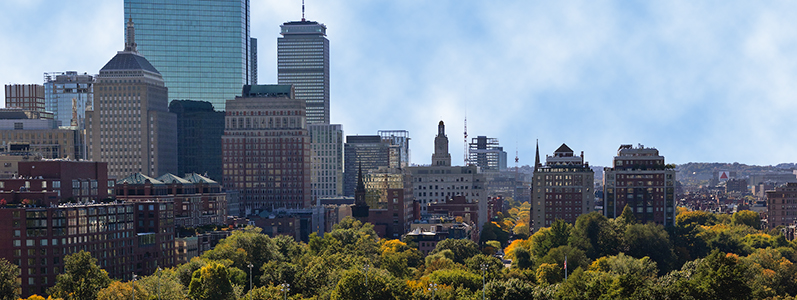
[
  {"x": 303, "y": 60},
  {"x": 201, "y": 47}
]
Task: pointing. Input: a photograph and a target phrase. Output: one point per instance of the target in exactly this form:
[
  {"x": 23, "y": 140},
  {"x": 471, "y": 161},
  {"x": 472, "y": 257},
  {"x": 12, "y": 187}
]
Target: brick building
[
  {"x": 782, "y": 205},
  {"x": 640, "y": 179},
  {"x": 562, "y": 188}
]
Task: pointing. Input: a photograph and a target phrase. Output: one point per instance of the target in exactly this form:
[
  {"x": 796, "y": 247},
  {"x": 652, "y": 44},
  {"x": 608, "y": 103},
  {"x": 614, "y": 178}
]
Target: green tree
[
  {"x": 354, "y": 285},
  {"x": 8, "y": 280},
  {"x": 695, "y": 217},
  {"x": 650, "y": 240},
  {"x": 244, "y": 247},
  {"x": 211, "y": 282},
  {"x": 548, "y": 238},
  {"x": 461, "y": 248},
  {"x": 457, "y": 278},
  {"x": 722, "y": 276},
  {"x": 627, "y": 217},
  {"x": 492, "y": 232},
  {"x": 511, "y": 289},
  {"x": 82, "y": 278},
  {"x": 549, "y": 273},
  {"x": 523, "y": 259},
  {"x": 575, "y": 258},
  {"x": 596, "y": 235},
  {"x": 747, "y": 217}
]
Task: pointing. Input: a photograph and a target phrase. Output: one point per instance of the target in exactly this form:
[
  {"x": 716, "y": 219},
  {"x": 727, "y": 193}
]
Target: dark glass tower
[
  {"x": 199, "y": 130},
  {"x": 303, "y": 60},
  {"x": 202, "y": 48}
]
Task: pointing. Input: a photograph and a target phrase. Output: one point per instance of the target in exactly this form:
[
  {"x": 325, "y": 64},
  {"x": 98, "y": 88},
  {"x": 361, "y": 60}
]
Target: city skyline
[{"x": 700, "y": 82}]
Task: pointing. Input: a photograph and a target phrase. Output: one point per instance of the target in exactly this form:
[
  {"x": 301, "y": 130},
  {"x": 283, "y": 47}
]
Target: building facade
[
  {"x": 25, "y": 96},
  {"x": 199, "y": 130},
  {"x": 68, "y": 95},
  {"x": 303, "y": 60},
  {"x": 782, "y": 205},
  {"x": 34, "y": 134},
  {"x": 640, "y": 179},
  {"x": 326, "y": 155},
  {"x": 562, "y": 189},
  {"x": 485, "y": 153},
  {"x": 57, "y": 180},
  {"x": 266, "y": 149},
  {"x": 367, "y": 151},
  {"x": 130, "y": 126},
  {"x": 202, "y": 48}
]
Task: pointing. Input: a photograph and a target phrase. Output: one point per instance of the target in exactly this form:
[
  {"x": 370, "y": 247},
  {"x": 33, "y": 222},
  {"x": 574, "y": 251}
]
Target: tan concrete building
[{"x": 130, "y": 126}]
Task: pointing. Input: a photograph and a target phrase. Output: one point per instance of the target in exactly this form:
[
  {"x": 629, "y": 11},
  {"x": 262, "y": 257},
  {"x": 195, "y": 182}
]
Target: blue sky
[{"x": 708, "y": 81}]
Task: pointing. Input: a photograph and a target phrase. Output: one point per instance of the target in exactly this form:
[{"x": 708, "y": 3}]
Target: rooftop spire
[
  {"x": 302, "y": 10},
  {"x": 537, "y": 157},
  {"x": 130, "y": 42}
]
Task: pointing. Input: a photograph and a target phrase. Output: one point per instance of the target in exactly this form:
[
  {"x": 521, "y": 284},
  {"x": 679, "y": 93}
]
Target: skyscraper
[
  {"x": 202, "y": 48},
  {"x": 130, "y": 126},
  {"x": 366, "y": 152},
  {"x": 303, "y": 60}
]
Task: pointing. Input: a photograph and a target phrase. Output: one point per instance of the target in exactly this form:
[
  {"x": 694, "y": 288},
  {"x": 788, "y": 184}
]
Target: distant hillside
[{"x": 700, "y": 173}]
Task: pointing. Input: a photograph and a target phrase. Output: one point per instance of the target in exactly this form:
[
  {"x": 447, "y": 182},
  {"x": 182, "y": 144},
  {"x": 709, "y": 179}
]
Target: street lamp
[
  {"x": 433, "y": 289},
  {"x": 134, "y": 285},
  {"x": 484, "y": 268},
  {"x": 250, "y": 275},
  {"x": 285, "y": 287}
]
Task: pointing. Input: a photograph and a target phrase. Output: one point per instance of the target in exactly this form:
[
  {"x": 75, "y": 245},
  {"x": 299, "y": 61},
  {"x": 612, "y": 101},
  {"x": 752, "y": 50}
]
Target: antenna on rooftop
[
  {"x": 302, "y": 10},
  {"x": 466, "y": 138}
]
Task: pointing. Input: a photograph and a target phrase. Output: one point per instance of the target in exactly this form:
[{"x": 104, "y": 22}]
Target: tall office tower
[
  {"x": 130, "y": 126},
  {"x": 368, "y": 151},
  {"x": 399, "y": 143},
  {"x": 640, "y": 179},
  {"x": 68, "y": 95},
  {"x": 485, "y": 153},
  {"x": 266, "y": 149},
  {"x": 562, "y": 188},
  {"x": 439, "y": 183},
  {"x": 199, "y": 130},
  {"x": 781, "y": 210},
  {"x": 25, "y": 96},
  {"x": 303, "y": 60},
  {"x": 326, "y": 156},
  {"x": 201, "y": 47},
  {"x": 441, "y": 157},
  {"x": 252, "y": 61}
]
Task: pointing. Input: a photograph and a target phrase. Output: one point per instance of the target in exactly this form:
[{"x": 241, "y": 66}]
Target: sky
[{"x": 701, "y": 81}]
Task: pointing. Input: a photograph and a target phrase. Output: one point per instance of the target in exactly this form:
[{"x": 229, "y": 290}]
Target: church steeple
[
  {"x": 537, "y": 157},
  {"x": 130, "y": 38},
  {"x": 360, "y": 210}
]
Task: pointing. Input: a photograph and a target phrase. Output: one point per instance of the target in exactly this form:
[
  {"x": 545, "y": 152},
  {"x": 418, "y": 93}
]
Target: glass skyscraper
[
  {"x": 201, "y": 47},
  {"x": 303, "y": 60}
]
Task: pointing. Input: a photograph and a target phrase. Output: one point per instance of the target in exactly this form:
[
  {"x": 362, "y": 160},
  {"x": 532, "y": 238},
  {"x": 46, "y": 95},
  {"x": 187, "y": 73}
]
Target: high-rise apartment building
[
  {"x": 266, "y": 149},
  {"x": 640, "y": 179},
  {"x": 303, "y": 60},
  {"x": 781, "y": 208},
  {"x": 68, "y": 95},
  {"x": 202, "y": 48},
  {"x": 25, "y": 96},
  {"x": 562, "y": 188},
  {"x": 326, "y": 142},
  {"x": 199, "y": 130},
  {"x": 130, "y": 126},
  {"x": 485, "y": 153}
]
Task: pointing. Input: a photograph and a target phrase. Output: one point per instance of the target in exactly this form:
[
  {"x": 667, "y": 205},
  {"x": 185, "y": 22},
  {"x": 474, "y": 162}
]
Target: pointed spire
[
  {"x": 537, "y": 156},
  {"x": 360, "y": 184},
  {"x": 130, "y": 41}
]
